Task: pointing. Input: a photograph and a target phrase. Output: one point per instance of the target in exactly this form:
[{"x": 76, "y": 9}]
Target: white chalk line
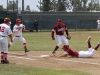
[
  {"x": 22, "y": 58},
  {"x": 76, "y": 61}
]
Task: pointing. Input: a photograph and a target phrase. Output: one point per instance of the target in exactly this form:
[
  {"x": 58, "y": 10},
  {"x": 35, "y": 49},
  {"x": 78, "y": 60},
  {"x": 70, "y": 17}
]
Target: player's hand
[
  {"x": 11, "y": 40},
  {"x": 68, "y": 37},
  {"x": 53, "y": 38}
]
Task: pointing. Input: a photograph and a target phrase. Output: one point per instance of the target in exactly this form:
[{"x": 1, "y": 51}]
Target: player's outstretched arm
[{"x": 63, "y": 55}]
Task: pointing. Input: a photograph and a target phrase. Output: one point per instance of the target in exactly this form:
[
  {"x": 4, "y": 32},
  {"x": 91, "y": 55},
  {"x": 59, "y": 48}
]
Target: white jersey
[
  {"x": 5, "y": 30},
  {"x": 17, "y": 29},
  {"x": 98, "y": 22}
]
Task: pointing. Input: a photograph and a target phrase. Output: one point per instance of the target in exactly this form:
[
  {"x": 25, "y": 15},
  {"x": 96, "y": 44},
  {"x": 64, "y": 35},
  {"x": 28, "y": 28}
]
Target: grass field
[{"x": 42, "y": 41}]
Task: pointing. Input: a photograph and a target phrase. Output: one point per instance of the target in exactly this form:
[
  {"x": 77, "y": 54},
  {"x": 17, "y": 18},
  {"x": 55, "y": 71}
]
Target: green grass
[
  {"x": 24, "y": 70},
  {"x": 42, "y": 41}
]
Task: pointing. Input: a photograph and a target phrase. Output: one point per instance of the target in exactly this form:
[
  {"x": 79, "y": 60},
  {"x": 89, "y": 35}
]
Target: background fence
[{"x": 73, "y": 20}]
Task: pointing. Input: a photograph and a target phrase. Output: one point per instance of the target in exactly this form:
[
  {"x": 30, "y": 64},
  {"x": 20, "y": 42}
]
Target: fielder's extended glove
[{"x": 68, "y": 37}]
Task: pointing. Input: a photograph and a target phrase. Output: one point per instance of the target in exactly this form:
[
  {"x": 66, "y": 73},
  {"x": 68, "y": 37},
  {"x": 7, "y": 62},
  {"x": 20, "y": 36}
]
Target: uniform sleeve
[
  {"x": 15, "y": 29},
  {"x": 66, "y": 30},
  {"x": 9, "y": 31},
  {"x": 52, "y": 33}
]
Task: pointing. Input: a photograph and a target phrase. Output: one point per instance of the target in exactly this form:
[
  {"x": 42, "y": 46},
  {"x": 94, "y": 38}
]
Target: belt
[
  {"x": 17, "y": 36},
  {"x": 3, "y": 36}
]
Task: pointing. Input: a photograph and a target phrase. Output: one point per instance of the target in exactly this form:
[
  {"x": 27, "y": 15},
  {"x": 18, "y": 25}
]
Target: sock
[
  {"x": 5, "y": 56},
  {"x": 24, "y": 44},
  {"x": 8, "y": 45},
  {"x": 96, "y": 47},
  {"x": 89, "y": 44},
  {"x": 2, "y": 55},
  {"x": 56, "y": 48}
]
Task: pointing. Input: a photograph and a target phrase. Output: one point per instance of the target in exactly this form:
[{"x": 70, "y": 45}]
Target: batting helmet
[
  {"x": 65, "y": 47},
  {"x": 7, "y": 20},
  {"x": 59, "y": 20},
  {"x": 18, "y": 20}
]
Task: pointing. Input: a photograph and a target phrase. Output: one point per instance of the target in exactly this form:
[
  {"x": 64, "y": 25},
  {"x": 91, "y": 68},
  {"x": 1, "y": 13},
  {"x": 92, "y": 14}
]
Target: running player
[{"x": 17, "y": 30}]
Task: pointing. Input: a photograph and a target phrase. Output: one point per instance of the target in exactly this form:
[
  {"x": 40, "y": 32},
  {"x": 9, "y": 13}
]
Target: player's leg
[
  {"x": 65, "y": 40},
  {"x": 59, "y": 42},
  {"x": 5, "y": 51},
  {"x": 88, "y": 41},
  {"x": 96, "y": 47},
  {"x": 2, "y": 53},
  {"x": 24, "y": 44}
]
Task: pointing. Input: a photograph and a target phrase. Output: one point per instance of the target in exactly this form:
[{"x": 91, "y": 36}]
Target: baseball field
[{"x": 40, "y": 45}]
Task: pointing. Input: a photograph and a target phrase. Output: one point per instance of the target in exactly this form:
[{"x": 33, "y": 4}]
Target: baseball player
[
  {"x": 98, "y": 24},
  {"x": 80, "y": 54},
  {"x": 4, "y": 32},
  {"x": 59, "y": 28},
  {"x": 17, "y": 30}
]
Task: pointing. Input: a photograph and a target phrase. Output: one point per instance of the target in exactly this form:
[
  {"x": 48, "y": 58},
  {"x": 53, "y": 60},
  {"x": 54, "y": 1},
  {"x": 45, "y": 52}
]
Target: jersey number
[{"x": 2, "y": 29}]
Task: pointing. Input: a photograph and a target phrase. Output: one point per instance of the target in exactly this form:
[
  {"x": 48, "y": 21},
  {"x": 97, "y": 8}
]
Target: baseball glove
[{"x": 68, "y": 37}]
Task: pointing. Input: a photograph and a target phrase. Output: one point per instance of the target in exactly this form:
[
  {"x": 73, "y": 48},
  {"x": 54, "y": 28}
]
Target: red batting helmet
[
  {"x": 65, "y": 47},
  {"x": 18, "y": 20},
  {"x": 59, "y": 20},
  {"x": 7, "y": 20}
]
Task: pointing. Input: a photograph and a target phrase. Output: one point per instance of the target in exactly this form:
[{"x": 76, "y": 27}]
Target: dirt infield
[{"x": 37, "y": 59}]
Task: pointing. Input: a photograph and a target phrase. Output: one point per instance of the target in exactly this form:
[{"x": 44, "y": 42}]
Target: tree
[
  {"x": 12, "y": 5},
  {"x": 46, "y": 5},
  {"x": 1, "y": 8},
  {"x": 28, "y": 8},
  {"x": 79, "y": 5},
  {"x": 54, "y": 5},
  {"x": 94, "y": 5}
]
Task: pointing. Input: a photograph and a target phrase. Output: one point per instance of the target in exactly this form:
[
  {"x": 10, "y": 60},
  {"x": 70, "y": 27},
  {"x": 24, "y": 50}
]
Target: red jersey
[
  {"x": 72, "y": 52},
  {"x": 59, "y": 30}
]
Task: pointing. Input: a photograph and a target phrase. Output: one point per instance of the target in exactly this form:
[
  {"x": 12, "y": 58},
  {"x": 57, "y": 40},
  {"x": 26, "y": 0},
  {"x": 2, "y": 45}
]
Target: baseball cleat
[
  {"x": 89, "y": 38},
  {"x": 54, "y": 53},
  {"x": 99, "y": 44},
  {"x": 4, "y": 62},
  {"x": 26, "y": 50}
]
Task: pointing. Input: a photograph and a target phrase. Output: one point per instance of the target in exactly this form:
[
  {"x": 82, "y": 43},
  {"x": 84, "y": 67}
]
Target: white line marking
[
  {"x": 22, "y": 58},
  {"x": 76, "y": 61}
]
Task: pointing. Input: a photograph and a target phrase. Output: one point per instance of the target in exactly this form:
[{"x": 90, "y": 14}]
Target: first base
[{"x": 44, "y": 56}]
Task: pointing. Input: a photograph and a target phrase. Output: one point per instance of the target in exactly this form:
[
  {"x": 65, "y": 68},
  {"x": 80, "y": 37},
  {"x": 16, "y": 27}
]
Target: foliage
[
  {"x": 27, "y": 8},
  {"x": 12, "y": 5},
  {"x": 1, "y": 8},
  {"x": 94, "y": 5},
  {"x": 74, "y": 5}
]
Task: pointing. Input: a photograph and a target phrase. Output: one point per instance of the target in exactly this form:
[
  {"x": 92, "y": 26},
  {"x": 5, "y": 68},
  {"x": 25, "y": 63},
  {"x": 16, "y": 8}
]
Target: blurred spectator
[
  {"x": 98, "y": 24},
  {"x": 35, "y": 26}
]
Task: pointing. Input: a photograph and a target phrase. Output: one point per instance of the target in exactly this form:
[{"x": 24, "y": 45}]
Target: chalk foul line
[{"x": 76, "y": 61}]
